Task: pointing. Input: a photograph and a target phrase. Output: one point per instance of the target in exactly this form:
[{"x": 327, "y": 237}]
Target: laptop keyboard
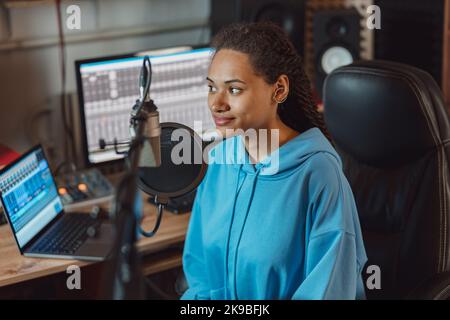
[{"x": 66, "y": 237}]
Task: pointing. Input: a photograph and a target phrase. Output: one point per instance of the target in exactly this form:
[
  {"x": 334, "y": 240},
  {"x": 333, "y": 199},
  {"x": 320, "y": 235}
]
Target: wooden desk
[{"x": 14, "y": 268}]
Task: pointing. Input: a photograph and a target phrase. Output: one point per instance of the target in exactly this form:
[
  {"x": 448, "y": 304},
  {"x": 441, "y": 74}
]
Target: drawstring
[
  {"x": 229, "y": 233},
  {"x": 242, "y": 231}
]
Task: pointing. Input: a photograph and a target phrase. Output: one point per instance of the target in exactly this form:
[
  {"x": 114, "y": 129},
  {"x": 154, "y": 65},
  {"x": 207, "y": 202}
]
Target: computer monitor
[{"x": 108, "y": 89}]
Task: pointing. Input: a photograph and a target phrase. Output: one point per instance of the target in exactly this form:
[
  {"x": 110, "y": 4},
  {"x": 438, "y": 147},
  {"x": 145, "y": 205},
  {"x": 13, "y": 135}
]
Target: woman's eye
[
  {"x": 235, "y": 90},
  {"x": 211, "y": 89}
]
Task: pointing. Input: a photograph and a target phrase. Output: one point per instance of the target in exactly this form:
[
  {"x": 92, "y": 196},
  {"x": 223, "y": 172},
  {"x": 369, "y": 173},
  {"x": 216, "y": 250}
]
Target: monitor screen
[
  {"x": 29, "y": 196},
  {"x": 108, "y": 89}
]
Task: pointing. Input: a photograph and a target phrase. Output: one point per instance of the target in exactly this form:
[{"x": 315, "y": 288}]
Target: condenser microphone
[
  {"x": 145, "y": 108},
  {"x": 151, "y": 151}
]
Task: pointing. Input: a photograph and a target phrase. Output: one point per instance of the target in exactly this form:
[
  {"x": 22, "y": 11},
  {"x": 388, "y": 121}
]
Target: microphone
[{"x": 146, "y": 109}]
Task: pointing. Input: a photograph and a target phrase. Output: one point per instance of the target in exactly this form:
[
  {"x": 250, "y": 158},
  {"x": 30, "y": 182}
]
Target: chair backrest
[{"x": 391, "y": 127}]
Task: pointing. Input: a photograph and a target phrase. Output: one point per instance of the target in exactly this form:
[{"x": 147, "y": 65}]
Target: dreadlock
[{"x": 272, "y": 54}]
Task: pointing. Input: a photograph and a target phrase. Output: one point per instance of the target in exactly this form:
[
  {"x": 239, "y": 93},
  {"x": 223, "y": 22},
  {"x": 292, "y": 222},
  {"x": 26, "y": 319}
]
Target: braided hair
[{"x": 272, "y": 54}]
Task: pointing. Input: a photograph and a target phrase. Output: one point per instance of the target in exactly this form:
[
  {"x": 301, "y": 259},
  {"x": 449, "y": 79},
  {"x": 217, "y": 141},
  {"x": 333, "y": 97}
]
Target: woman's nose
[{"x": 219, "y": 104}]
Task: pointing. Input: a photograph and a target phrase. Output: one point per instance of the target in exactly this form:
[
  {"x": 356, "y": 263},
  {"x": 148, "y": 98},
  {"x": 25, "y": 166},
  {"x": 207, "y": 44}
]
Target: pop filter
[{"x": 182, "y": 165}]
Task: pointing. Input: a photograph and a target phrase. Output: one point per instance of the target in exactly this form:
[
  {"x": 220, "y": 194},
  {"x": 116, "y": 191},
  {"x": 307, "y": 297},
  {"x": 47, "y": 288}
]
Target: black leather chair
[{"x": 391, "y": 128}]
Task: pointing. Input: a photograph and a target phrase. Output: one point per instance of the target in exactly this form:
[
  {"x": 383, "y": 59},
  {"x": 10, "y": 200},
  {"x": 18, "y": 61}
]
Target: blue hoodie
[{"x": 286, "y": 229}]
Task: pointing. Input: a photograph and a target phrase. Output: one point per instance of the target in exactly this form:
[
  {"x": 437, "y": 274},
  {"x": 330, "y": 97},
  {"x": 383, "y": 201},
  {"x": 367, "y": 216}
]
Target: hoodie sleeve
[
  {"x": 334, "y": 253},
  {"x": 332, "y": 270},
  {"x": 193, "y": 258}
]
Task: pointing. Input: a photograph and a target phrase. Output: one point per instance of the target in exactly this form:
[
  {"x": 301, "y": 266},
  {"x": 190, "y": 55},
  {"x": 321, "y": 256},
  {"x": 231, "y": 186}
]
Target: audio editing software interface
[
  {"x": 29, "y": 195},
  {"x": 110, "y": 89}
]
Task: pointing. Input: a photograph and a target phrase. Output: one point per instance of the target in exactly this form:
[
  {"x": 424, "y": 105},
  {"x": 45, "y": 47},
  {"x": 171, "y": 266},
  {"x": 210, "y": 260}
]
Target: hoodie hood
[{"x": 284, "y": 159}]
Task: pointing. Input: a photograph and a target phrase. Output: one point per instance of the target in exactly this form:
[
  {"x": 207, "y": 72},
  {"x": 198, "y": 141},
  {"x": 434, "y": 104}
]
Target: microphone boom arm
[{"x": 124, "y": 277}]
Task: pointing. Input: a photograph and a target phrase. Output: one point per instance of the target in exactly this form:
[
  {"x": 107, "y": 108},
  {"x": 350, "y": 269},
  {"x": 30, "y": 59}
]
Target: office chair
[{"x": 391, "y": 128}]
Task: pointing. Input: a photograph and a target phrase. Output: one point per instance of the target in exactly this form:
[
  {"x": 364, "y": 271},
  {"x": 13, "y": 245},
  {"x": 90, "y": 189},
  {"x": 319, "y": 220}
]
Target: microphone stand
[{"x": 124, "y": 279}]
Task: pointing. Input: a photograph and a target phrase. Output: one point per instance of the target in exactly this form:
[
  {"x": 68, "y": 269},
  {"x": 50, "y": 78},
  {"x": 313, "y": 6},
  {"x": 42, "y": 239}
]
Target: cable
[
  {"x": 62, "y": 52},
  {"x": 149, "y": 234},
  {"x": 133, "y": 146},
  {"x": 136, "y": 110},
  {"x": 148, "y": 81}
]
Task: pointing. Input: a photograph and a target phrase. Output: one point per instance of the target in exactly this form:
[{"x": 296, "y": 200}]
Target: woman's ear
[{"x": 281, "y": 89}]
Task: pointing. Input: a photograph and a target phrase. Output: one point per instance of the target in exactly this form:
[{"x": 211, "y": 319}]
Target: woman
[{"x": 266, "y": 228}]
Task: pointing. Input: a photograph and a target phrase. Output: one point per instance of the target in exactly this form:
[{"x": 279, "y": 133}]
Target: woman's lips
[{"x": 221, "y": 121}]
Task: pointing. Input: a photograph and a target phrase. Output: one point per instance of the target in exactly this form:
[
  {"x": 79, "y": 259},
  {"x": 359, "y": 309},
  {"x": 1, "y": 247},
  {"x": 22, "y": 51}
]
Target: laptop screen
[{"x": 29, "y": 196}]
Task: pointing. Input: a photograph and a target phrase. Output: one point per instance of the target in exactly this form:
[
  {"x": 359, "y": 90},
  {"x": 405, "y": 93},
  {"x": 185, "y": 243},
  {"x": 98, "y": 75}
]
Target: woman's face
[{"x": 238, "y": 98}]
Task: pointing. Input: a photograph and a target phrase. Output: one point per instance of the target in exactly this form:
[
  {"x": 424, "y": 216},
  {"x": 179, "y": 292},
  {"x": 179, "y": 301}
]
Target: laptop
[{"x": 36, "y": 216}]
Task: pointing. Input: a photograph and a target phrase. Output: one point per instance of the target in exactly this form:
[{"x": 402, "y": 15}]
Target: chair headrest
[{"x": 384, "y": 113}]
